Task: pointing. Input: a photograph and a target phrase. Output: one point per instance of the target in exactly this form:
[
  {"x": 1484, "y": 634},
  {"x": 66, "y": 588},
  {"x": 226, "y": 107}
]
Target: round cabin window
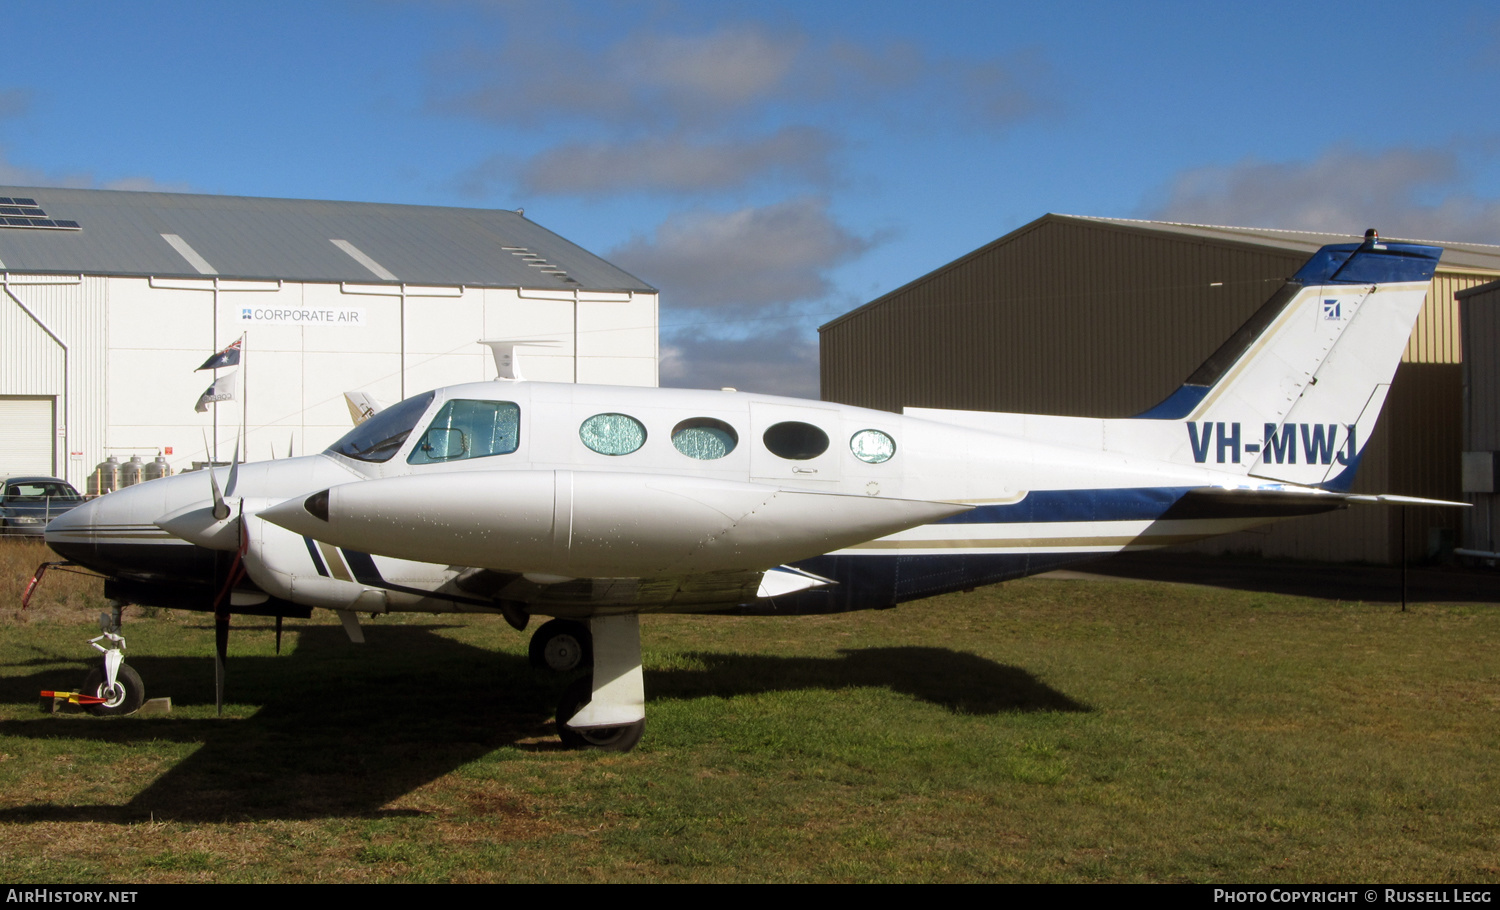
[
  {"x": 796, "y": 441},
  {"x": 704, "y": 438},
  {"x": 612, "y": 434},
  {"x": 872, "y": 446}
]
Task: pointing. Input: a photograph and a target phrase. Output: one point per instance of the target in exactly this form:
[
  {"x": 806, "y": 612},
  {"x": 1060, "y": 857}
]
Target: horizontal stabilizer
[
  {"x": 1217, "y": 502},
  {"x": 1389, "y": 499}
]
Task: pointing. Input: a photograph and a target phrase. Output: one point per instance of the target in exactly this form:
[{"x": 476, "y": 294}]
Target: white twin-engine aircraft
[{"x": 594, "y": 504}]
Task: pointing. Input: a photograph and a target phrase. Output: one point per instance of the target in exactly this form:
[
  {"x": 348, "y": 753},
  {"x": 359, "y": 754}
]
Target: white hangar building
[{"x": 112, "y": 300}]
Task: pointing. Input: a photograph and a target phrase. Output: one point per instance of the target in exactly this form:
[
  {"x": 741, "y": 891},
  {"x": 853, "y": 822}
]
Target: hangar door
[{"x": 26, "y": 436}]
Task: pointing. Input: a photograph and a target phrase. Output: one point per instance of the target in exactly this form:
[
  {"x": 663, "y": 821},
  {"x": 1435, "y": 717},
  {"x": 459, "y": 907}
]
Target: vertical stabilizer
[{"x": 1295, "y": 393}]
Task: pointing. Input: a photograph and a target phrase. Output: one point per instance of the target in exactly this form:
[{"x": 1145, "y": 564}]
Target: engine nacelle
[{"x": 595, "y": 524}]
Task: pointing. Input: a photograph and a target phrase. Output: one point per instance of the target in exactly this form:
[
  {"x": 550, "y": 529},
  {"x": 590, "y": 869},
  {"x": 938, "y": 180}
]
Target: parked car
[{"x": 28, "y": 503}]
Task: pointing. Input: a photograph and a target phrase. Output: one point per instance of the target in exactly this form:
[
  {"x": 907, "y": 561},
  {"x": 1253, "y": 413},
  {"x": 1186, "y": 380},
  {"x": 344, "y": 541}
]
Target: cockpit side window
[
  {"x": 469, "y": 429},
  {"x": 379, "y": 438}
]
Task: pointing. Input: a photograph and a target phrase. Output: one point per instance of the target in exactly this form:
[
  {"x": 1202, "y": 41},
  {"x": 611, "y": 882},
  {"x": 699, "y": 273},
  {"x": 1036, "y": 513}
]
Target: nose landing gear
[{"x": 119, "y": 686}]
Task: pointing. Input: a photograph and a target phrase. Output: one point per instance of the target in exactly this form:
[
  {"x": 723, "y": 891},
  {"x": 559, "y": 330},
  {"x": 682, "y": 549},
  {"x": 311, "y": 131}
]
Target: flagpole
[
  {"x": 213, "y": 456},
  {"x": 244, "y": 390}
]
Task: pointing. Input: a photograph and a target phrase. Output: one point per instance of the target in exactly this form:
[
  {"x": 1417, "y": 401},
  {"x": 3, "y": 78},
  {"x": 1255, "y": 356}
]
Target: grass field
[{"x": 1041, "y": 730}]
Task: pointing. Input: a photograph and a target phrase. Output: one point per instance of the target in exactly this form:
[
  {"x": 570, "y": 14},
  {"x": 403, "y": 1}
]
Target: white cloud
[
  {"x": 724, "y": 69},
  {"x": 751, "y": 257},
  {"x": 734, "y": 103},
  {"x": 146, "y": 185},
  {"x": 665, "y": 79},
  {"x": 1403, "y": 192},
  {"x": 779, "y": 362},
  {"x": 744, "y": 280},
  {"x": 677, "y": 164},
  {"x": 20, "y": 175},
  {"x": 652, "y": 79}
]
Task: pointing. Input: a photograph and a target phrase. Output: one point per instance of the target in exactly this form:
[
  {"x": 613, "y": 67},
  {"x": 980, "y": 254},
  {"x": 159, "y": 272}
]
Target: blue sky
[{"x": 771, "y": 165}]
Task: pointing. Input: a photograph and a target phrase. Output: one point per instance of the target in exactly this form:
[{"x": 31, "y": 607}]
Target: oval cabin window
[
  {"x": 612, "y": 434},
  {"x": 796, "y": 441},
  {"x": 704, "y": 438},
  {"x": 872, "y": 446}
]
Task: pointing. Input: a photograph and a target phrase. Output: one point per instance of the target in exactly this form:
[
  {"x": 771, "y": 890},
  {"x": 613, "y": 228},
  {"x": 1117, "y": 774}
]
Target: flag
[
  {"x": 221, "y": 390},
  {"x": 228, "y": 357}
]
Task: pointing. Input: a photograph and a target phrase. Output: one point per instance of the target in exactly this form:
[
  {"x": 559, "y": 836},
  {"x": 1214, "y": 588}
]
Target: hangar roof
[
  {"x": 112, "y": 232},
  {"x": 1462, "y": 258},
  {"x": 1479, "y": 256}
]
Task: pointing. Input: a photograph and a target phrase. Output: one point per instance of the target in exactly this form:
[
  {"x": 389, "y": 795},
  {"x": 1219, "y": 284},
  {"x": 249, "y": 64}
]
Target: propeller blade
[
  {"x": 278, "y": 633},
  {"x": 221, "y": 508},
  {"x": 221, "y": 611},
  {"x": 221, "y": 651},
  {"x": 234, "y": 469}
]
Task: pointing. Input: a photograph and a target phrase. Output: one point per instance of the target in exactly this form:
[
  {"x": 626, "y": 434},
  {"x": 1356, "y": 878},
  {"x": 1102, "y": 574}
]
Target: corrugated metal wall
[
  {"x": 1139, "y": 312},
  {"x": 1481, "y": 320},
  {"x": 1082, "y": 318},
  {"x": 75, "y": 311},
  {"x": 1437, "y": 336}
]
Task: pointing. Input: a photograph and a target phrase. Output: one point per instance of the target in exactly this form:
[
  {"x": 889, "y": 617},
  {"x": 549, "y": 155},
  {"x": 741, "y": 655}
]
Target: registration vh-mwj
[{"x": 595, "y": 504}]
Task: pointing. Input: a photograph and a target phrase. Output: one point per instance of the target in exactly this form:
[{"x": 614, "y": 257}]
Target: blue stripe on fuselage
[
  {"x": 878, "y": 582},
  {"x": 1124, "y": 504}
]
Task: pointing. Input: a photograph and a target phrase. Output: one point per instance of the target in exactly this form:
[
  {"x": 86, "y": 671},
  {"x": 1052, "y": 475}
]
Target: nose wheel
[{"x": 123, "y": 696}]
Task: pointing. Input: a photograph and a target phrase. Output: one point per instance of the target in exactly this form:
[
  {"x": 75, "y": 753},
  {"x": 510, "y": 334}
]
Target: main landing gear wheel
[
  {"x": 562, "y": 645},
  {"x": 606, "y": 739},
  {"x": 124, "y": 697}
]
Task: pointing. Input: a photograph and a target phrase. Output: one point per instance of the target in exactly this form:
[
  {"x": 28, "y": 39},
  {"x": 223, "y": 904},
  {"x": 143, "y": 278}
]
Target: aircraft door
[{"x": 795, "y": 443}]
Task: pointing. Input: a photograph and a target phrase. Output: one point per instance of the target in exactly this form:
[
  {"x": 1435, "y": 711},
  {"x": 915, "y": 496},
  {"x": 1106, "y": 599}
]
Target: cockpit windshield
[{"x": 379, "y": 438}]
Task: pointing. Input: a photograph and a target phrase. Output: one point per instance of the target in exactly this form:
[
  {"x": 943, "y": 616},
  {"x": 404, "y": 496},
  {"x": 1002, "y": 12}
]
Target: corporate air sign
[{"x": 345, "y": 317}]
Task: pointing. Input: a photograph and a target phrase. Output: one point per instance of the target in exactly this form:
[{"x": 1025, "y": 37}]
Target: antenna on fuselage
[{"x": 507, "y": 361}]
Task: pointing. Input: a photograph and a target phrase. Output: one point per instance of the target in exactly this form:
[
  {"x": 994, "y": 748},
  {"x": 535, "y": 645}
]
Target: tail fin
[{"x": 1295, "y": 393}]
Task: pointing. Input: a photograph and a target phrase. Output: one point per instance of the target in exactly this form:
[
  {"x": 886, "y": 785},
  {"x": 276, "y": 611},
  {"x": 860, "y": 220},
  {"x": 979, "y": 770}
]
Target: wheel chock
[
  {"x": 67, "y": 702},
  {"x": 74, "y": 702}
]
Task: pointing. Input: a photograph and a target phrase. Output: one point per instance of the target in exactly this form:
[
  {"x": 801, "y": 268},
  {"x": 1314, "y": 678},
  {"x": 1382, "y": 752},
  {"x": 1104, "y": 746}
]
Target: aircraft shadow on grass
[{"x": 343, "y": 730}]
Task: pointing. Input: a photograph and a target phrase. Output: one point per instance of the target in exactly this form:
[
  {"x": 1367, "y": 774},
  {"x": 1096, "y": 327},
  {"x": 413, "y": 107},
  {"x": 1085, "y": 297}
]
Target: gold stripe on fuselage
[
  {"x": 334, "y": 562},
  {"x": 1030, "y": 543}
]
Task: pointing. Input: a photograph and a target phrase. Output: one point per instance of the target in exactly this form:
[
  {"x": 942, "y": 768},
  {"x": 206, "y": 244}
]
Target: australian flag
[{"x": 228, "y": 357}]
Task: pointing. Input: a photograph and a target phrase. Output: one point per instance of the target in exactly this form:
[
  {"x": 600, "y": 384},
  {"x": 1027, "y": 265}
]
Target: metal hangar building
[
  {"x": 111, "y": 300},
  {"x": 1105, "y": 317}
]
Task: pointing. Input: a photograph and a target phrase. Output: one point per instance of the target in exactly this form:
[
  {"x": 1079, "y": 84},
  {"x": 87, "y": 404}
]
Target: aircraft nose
[
  {"x": 124, "y": 516},
  {"x": 71, "y": 534},
  {"x": 71, "y": 521}
]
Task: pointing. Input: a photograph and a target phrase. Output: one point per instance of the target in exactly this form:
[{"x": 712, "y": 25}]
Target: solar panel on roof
[{"x": 20, "y": 212}]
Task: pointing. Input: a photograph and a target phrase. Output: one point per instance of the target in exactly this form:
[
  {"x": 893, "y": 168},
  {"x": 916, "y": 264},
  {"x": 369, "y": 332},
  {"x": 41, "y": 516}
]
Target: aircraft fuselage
[{"x": 577, "y": 500}]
